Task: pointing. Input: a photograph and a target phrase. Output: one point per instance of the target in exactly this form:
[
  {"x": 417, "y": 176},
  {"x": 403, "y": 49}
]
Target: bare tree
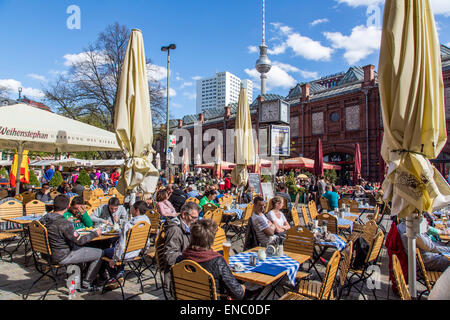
[
  {"x": 4, "y": 91},
  {"x": 88, "y": 92}
]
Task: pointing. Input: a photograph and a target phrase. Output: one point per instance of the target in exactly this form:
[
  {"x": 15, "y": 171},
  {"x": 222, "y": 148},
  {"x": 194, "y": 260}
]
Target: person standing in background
[{"x": 49, "y": 173}]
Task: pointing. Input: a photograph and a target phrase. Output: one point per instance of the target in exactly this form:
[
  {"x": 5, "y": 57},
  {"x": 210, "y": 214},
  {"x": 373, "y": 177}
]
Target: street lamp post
[{"x": 168, "y": 48}]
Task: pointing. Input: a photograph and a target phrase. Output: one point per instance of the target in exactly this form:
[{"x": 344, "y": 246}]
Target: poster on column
[{"x": 254, "y": 180}]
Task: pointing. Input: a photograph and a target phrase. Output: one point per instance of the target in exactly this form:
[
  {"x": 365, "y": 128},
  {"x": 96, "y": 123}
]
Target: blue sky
[{"x": 306, "y": 39}]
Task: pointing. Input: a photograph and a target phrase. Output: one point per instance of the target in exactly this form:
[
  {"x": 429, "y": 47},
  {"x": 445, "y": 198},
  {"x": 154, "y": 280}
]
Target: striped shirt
[{"x": 260, "y": 223}]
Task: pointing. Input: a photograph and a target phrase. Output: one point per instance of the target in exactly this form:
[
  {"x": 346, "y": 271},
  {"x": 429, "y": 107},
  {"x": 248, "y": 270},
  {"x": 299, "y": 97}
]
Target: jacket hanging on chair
[{"x": 394, "y": 246}]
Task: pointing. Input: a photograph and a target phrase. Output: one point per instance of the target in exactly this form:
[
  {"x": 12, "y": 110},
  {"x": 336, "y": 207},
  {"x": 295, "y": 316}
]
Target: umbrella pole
[
  {"x": 19, "y": 164},
  {"x": 412, "y": 229}
]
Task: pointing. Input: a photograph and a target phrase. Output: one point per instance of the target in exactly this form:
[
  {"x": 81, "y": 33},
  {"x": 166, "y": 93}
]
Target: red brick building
[{"x": 341, "y": 109}]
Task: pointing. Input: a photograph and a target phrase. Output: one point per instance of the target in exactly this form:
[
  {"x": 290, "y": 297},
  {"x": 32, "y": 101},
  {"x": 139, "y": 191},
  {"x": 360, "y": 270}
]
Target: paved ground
[{"x": 16, "y": 278}]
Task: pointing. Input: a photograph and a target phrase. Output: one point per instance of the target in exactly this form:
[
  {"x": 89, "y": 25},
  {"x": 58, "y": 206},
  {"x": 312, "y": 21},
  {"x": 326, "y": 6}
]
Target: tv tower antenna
[{"x": 263, "y": 65}]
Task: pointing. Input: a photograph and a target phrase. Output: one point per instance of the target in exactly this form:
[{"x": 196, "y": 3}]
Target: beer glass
[{"x": 226, "y": 250}]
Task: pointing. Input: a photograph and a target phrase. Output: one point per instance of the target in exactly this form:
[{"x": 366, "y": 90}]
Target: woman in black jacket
[{"x": 199, "y": 250}]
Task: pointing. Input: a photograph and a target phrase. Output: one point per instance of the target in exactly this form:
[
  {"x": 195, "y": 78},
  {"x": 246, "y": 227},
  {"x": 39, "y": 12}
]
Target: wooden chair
[
  {"x": 295, "y": 218},
  {"x": 429, "y": 277},
  {"x": 137, "y": 238},
  {"x": 35, "y": 207},
  {"x": 90, "y": 210},
  {"x": 399, "y": 279},
  {"x": 324, "y": 290},
  {"x": 160, "y": 243},
  {"x": 192, "y": 282},
  {"x": 219, "y": 239},
  {"x": 88, "y": 194},
  {"x": 354, "y": 206},
  {"x": 330, "y": 220},
  {"x": 192, "y": 199},
  {"x": 240, "y": 226},
  {"x": 3, "y": 194},
  {"x": 302, "y": 242},
  {"x": 7, "y": 238},
  {"x": 344, "y": 266},
  {"x": 293, "y": 296},
  {"x": 155, "y": 220},
  {"x": 217, "y": 216},
  {"x": 113, "y": 192},
  {"x": 98, "y": 192},
  {"x": 11, "y": 209},
  {"x": 324, "y": 204},
  {"x": 305, "y": 216},
  {"x": 54, "y": 194},
  {"x": 28, "y": 196},
  {"x": 42, "y": 254},
  {"x": 208, "y": 207},
  {"x": 312, "y": 209},
  {"x": 366, "y": 231},
  {"x": 362, "y": 274}
]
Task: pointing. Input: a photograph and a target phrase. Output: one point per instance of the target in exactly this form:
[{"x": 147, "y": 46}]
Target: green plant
[
  {"x": 266, "y": 178},
  {"x": 291, "y": 183},
  {"x": 331, "y": 175},
  {"x": 33, "y": 179},
  {"x": 4, "y": 172},
  {"x": 56, "y": 180},
  {"x": 84, "y": 179}
]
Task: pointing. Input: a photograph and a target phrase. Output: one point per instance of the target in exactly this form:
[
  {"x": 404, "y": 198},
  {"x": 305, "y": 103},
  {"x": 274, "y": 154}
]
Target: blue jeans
[{"x": 109, "y": 253}]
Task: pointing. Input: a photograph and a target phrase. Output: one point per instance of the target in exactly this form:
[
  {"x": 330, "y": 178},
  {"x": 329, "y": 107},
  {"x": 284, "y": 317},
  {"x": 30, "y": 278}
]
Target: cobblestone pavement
[{"x": 16, "y": 278}]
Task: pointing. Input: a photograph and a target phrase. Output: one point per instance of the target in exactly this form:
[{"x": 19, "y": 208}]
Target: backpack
[{"x": 361, "y": 248}]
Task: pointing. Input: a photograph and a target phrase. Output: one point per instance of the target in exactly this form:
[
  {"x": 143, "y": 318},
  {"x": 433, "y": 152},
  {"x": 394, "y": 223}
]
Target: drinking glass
[{"x": 226, "y": 250}]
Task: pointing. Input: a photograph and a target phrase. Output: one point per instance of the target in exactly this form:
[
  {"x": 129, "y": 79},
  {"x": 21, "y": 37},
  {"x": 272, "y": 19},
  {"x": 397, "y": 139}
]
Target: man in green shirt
[
  {"x": 208, "y": 197},
  {"x": 77, "y": 214}
]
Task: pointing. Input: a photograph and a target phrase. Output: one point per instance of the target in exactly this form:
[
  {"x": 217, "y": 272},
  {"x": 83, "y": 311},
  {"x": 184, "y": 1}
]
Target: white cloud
[
  {"x": 196, "y": 78},
  {"x": 301, "y": 45},
  {"x": 178, "y": 78},
  {"x": 362, "y": 42},
  {"x": 441, "y": 7},
  {"x": 58, "y": 72},
  {"x": 252, "y": 49},
  {"x": 280, "y": 49},
  {"x": 13, "y": 86},
  {"x": 74, "y": 59},
  {"x": 186, "y": 84},
  {"x": 279, "y": 77},
  {"x": 172, "y": 92},
  {"x": 37, "y": 77},
  {"x": 318, "y": 21},
  {"x": 155, "y": 72},
  {"x": 190, "y": 95}
]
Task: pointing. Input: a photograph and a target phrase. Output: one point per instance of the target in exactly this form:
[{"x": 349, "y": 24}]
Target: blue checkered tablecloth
[
  {"x": 284, "y": 261},
  {"x": 242, "y": 205},
  {"x": 338, "y": 243},
  {"x": 238, "y": 212},
  {"x": 345, "y": 222},
  {"x": 28, "y": 218}
]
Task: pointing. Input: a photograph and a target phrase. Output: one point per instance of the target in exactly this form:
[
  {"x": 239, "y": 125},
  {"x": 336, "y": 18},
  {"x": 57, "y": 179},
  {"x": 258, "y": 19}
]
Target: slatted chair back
[
  {"x": 28, "y": 196},
  {"x": 35, "y": 207},
  {"x": 354, "y": 206},
  {"x": 312, "y": 209},
  {"x": 104, "y": 199},
  {"x": 192, "y": 282},
  {"x": 155, "y": 220},
  {"x": 331, "y": 222},
  {"x": 375, "y": 248},
  {"x": 423, "y": 270},
  {"x": 305, "y": 216},
  {"x": 10, "y": 209},
  {"x": 295, "y": 218},
  {"x": 137, "y": 237},
  {"x": 330, "y": 276},
  {"x": 192, "y": 199},
  {"x": 208, "y": 207},
  {"x": 98, "y": 192},
  {"x": 219, "y": 239},
  {"x": 369, "y": 231},
  {"x": 90, "y": 210},
  {"x": 400, "y": 279},
  {"x": 112, "y": 191},
  {"x": 3, "y": 194},
  {"x": 94, "y": 203},
  {"x": 18, "y": 197},
  {"x": 39, "y": 238},
  {"x": 217, "y": 216},
  {"x": 248, "y": 212},
  {"x": 345, "y": 263},
  {"x": 88, "y": 194},
  {"x": 324, "y": 203},
  {"x": 160, "y": 243},
  {"x": 54, "y": 194},
  {"x": 299, "y": 241}
]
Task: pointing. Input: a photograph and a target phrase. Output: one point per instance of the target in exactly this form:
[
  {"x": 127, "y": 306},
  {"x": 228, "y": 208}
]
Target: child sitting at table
[{"x": 116, "y": 252}]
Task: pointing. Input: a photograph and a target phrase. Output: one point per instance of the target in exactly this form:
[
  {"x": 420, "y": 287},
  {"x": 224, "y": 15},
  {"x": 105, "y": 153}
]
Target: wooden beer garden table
[{"x": 266, "y": 280}]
